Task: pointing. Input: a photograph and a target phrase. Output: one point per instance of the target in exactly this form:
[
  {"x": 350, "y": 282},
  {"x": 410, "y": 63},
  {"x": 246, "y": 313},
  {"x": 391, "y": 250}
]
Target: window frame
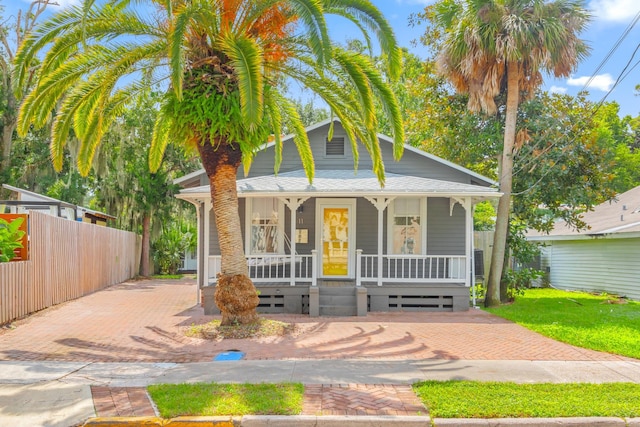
[
  {"x": 391, "y": 214},
  {"x": 249, "y": 226}
]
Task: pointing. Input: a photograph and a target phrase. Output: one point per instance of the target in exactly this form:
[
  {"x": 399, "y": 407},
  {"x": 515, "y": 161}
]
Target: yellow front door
[{"x": 336, "y": 224}]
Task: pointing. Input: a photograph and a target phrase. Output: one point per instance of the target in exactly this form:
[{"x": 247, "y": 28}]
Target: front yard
[{"x": 598, "y": 322}]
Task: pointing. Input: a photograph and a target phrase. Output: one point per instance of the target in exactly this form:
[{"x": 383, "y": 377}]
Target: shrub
[{"x": 10, "y": 238}]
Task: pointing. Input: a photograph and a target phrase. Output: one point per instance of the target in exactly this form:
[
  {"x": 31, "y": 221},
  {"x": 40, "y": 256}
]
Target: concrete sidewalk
[{"x": 58, "y": 394}]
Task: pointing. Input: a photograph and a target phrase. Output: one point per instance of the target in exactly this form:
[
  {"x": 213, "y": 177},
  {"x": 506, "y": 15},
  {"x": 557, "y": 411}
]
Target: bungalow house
[
  {"x": 23, "y": 201},
  {"x": 343, "y": 245},
  {"x": 603, "y": 258}
]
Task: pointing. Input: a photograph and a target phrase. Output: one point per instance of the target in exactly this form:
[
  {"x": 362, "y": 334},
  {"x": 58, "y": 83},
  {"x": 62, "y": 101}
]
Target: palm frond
[
  {"x": 311, "y": 14},
  {"x": 369, "y": 16},
  {"x": 246, "y": 58},
  {"x": 160, "y": 138},
  {"x": 272, "y": 103},
  {"x": 300, "y": 137}
]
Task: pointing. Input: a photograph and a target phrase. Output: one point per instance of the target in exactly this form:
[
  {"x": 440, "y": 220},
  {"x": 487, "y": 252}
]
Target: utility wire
[{"x": 621, "y": 76}]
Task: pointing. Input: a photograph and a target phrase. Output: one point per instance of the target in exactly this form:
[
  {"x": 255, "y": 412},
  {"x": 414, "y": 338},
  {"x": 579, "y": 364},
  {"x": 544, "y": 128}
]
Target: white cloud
[
  {"x": 59, "y": 4},
  {"x": 614, "y": 10},
  {"x": 602, "y": 82},
  {"x": 557, "y": 89},
  {"x": 422, "y": 2}
]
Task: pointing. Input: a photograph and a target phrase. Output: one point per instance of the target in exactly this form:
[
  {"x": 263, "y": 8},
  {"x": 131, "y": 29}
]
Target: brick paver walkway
[
  {"x": 122, "y": 402},
  {"x": 145, "y": 321},
  {"x": 319, "y": 399},
  {"x": 361, "y": 399}
]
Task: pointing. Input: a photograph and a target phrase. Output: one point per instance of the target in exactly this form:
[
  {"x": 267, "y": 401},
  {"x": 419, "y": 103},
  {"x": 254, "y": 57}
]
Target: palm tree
[
  {"x": 223, "y": 63},
  {"x": 493, "y": 46}
]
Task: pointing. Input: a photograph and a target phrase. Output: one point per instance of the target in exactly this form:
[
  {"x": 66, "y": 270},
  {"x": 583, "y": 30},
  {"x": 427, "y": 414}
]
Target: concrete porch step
[{"x": 337, "y": 311}]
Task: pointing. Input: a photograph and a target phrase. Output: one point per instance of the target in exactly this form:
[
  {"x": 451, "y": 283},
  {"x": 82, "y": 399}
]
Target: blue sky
[{"x": 610, "y": 20}]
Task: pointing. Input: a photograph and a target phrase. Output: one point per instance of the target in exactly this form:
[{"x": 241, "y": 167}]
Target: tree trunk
[
  {"x": 235, "y": 296},
  {"x": 146, "y": 245},
  {"x": 9, "y": 121},
  {"x": 506, "y": 176}
]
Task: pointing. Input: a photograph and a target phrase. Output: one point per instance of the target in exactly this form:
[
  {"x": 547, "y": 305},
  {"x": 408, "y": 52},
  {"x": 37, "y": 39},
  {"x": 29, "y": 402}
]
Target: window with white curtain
[
  {"x": 406, "y": 226},
  {"x": 266, "y": 231}
]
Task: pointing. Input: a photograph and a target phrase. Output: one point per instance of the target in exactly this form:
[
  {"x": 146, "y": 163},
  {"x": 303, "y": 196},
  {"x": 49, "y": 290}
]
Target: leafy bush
[
  {"x": 518, "y": 281},
  {"x": 169, "y": 248},
  {"x": 10, "y": 238}
]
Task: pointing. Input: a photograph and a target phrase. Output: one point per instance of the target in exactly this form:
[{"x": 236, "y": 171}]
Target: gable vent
[{"x": 335, "y": 147}]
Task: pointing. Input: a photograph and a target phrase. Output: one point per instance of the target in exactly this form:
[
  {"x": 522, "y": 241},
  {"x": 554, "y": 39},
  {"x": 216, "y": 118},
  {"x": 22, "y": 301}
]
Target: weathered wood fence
[{"x": 67, "y": 260}]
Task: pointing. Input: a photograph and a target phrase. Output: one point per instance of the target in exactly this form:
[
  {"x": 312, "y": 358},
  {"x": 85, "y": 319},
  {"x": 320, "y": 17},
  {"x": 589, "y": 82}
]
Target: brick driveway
[{"x": 145, "y": 320}]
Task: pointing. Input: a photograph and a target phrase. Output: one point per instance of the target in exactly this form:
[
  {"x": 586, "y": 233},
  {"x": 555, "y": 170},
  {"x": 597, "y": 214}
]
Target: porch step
[{"x": 337, "y": 301}]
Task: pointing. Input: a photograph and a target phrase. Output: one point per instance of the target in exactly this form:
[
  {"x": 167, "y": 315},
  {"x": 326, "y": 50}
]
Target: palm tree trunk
[
  {"x": 235, "y": 296},
  {"x": 506, "y": 178}
]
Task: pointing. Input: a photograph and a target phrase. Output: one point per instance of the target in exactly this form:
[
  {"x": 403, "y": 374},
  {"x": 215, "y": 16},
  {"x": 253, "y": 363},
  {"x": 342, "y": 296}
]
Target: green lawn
[
  {"x": 210, "y": 399},
  {"x": 578, "y": 318},
  {"x": 471, "y": 399}
]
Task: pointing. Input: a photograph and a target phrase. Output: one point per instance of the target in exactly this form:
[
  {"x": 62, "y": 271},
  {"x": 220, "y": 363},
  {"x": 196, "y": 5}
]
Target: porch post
[
  {"x": 292, "y": 249},
  {"x": 207, "y": 240},
  {"x": 199, "y": 253},
  {"x": 381, "y": 204},
  {"x": 293, "y": 204},
  {"x": 468, "y": 208},
  {"x": 473, "y": 259}
]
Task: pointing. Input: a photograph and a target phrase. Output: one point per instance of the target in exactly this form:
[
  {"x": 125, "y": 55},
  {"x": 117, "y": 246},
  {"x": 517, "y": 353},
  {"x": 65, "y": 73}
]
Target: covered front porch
[{"x": 344, "y": 241}]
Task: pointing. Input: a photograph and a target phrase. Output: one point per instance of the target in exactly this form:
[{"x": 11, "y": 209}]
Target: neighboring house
[
  {"x": 24, "y": 201},
  {"x": 603, "y": 258},
  {"x": 358, "y": 247}
]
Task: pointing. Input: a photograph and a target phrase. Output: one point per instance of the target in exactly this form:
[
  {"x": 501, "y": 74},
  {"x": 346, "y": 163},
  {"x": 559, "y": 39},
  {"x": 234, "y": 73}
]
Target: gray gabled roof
[
  {"x": 476, "y": 176},
  {"x": 341, "y": 183},
  {"x": 618, "y": 217}
]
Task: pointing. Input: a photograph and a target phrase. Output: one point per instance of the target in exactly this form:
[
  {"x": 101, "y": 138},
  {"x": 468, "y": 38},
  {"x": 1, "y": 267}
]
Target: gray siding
[
  {"x": 367, "y": 227},
  {"x": 306, "y": 219},
  {"x": 445, "y": 232},
  {"x": 609, "y": 265},
  {"x": 411, "y": 163}
]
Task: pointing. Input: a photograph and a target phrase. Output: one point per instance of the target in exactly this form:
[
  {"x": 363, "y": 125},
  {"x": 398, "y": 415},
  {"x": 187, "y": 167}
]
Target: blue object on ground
[{"x": 228, "y": 356}]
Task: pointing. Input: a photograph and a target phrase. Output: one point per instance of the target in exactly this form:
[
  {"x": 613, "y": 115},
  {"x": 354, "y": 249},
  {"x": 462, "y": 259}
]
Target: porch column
[
  {"x": 199, "y": 253},
  {"x": 293, "y": 204},
  {"x": 207, "y": 239},
  {"x": 468, "y": 209},
  {"x": 381, "y": 204}
]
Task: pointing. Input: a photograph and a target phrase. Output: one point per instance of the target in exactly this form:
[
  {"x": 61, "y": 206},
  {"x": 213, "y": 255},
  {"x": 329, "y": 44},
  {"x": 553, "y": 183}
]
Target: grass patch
[
  {"x": 473, "y": 399},
  {"x": 167, "y": 276},
  {"x": 262, "y": 328},
  {"x": 211, "y": 399},
  {"x": 598, "y": 322}
]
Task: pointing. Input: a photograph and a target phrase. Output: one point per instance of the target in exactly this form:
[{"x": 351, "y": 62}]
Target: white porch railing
[
  {"x": 412, "y": 268},
  {"x": 273, "y": 268},
  {"x": 395, "y": 268}
]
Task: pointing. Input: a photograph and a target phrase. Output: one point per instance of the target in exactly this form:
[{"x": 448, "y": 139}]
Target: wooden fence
[{"x": 67, "y": 260}]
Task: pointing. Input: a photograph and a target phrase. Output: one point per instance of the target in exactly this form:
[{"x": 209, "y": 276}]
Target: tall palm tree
[
  {"x": 493, "y": 46},
  {"x": 223, "y": 63}
]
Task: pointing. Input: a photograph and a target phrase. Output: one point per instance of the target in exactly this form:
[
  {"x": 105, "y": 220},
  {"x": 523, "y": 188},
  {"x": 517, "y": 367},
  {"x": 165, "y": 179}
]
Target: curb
[
  {"x": 357, "y": 421},
  {"x": 265, "y": 421},
  {"x": 538, "y": 422}
]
